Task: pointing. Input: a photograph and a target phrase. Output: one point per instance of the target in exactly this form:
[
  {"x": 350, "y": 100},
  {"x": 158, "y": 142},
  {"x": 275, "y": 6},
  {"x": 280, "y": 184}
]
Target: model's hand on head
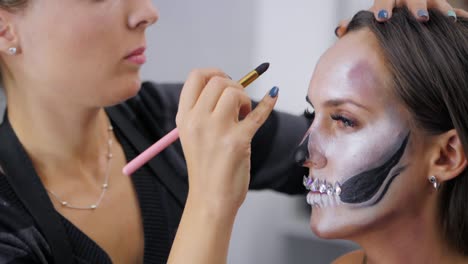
[
  {"x": 216, "y": 144},
  {"x": 382, "y": 10}
]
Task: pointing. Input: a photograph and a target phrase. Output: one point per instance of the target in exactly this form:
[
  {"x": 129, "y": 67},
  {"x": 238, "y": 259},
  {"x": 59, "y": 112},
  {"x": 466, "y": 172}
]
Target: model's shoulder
[{"x": 349, "y": 258}]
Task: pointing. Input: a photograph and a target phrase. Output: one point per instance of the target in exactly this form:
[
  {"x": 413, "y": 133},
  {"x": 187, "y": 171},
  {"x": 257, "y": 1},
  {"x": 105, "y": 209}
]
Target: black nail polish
[{"x": 274, "y": 92}]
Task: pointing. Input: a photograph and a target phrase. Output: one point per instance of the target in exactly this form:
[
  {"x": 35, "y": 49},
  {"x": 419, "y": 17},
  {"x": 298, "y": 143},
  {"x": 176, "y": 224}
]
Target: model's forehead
[{"x": 352, "y": 68}]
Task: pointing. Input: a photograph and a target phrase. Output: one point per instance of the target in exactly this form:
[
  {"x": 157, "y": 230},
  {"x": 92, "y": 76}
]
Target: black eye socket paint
[
  {"x": 363, "y": 186},
  {"x": 301, "y": 154}
]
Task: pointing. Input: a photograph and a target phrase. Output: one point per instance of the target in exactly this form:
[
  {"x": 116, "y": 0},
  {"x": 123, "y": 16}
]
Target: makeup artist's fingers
[
  {"x": 232, "y": 104},
  {"x": 255, "y": 119},
  {"x": 212, "y": 92},
  {"x": 194, "y": 85}
]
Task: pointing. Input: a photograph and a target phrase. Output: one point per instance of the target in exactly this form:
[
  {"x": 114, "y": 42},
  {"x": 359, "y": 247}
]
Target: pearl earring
[
  {"x": 434, "y": 182},
  {"x": 12, "y": 50}
]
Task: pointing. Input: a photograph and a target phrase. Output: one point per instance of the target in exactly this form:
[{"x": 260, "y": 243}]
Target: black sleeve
[
  {"x": 273, "y": 165},
  {"x": 20, "y": 241}
]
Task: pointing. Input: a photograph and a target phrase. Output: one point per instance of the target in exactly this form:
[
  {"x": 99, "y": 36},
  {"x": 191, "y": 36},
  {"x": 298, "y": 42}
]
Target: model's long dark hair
[{"x": 429, "y": 64}]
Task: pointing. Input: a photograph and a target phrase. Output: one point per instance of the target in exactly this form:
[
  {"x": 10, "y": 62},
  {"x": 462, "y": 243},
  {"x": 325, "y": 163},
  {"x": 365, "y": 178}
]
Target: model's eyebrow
[{"x": 338, "y": 102}]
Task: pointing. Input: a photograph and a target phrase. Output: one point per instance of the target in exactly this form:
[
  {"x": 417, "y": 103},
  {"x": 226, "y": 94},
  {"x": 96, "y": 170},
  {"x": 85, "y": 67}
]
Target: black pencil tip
[{"x": 262, "y": 68}]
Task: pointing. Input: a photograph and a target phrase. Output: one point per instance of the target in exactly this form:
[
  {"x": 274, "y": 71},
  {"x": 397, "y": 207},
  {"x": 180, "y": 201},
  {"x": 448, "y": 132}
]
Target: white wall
[{"x": 237, "y": 36}]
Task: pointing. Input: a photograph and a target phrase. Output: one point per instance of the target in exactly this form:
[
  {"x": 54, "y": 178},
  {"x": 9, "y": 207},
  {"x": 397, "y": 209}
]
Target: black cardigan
[{"x": 32, "y": 231}]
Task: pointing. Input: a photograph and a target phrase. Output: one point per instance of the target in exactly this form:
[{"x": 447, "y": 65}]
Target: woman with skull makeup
[{"x": 386, "y": 149}]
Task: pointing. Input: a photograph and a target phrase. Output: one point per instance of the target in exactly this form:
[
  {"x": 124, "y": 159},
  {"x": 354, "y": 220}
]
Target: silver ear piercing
[
  {"x": 434, "y": 182},
  {"x": 12, "y": 50}
]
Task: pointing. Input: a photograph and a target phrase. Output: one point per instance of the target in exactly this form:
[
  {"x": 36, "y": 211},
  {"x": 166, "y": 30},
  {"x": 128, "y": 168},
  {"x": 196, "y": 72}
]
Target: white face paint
[{"x": 358, "y": 126}]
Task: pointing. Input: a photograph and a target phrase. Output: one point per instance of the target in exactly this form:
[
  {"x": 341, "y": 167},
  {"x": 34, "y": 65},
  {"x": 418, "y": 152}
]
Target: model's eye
[{"x": 346, "y": 122}]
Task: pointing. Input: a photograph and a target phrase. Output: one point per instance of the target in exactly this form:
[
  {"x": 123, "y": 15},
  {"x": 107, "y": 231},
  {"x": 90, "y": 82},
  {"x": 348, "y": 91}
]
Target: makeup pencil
[{"x": 172, "y": 136}]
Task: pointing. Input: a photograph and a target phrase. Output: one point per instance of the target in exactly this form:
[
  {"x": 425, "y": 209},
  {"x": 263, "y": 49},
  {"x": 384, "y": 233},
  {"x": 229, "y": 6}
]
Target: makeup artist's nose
[{"x": 144, "y": 15}]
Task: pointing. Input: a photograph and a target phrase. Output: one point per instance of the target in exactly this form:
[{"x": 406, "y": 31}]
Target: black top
[{"x": 31, "y": 231}]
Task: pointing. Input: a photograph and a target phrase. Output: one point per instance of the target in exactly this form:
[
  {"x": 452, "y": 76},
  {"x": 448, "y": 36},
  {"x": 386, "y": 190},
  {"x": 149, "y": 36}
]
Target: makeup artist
[{"x": 68, "y": 69}]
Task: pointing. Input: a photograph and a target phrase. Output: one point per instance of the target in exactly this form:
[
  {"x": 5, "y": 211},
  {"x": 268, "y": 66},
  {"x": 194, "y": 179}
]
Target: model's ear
[
  {"x": 448, "y": 156},
  {"x": 8, "y": 35}
]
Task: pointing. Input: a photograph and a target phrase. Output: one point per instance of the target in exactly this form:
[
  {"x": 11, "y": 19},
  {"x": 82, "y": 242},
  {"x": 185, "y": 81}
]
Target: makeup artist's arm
[
  {"x": 217, "y": 149},
  {"x": 383, "y": 10}
]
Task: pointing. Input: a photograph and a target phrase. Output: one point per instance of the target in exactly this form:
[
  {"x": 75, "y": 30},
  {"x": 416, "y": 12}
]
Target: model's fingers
[
  {"x": 194, "y": 85},
  {"x": 212, "y": 92},
  {"x": 382, "y": 9},
  {"x": 461, "y": 13},
  {"x": 419, "y": 9},
  {"x": 232, "y": 104},
  {"x": 259, "y": 115}
]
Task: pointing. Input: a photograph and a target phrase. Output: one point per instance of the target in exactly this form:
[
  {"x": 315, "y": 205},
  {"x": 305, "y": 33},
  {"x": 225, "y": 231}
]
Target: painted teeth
[
  {"x": 337, "y": 189},
  {"x": 322, "y": 186},
  {"x": 322, "y": 201}
]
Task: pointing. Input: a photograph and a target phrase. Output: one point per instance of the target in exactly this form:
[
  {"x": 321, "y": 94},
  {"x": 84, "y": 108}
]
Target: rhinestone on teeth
[{"x": 322, "y": 186}]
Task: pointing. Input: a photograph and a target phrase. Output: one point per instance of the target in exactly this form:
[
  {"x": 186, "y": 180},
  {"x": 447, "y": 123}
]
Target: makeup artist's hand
[
  {"x": 382, "y": 10},
  {"x": 216, "y": 143},
  {"x": 216, "y": 146}
]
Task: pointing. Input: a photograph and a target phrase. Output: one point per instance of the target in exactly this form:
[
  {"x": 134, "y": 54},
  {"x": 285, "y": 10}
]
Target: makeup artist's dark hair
[{"x": 429, "y": 64}]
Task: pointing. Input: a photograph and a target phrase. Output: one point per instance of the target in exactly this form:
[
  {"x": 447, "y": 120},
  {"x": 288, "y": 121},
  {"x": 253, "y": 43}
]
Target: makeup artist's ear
[
  {"x": 8, "y": 37},
  {"x": 448, "y": 159}
]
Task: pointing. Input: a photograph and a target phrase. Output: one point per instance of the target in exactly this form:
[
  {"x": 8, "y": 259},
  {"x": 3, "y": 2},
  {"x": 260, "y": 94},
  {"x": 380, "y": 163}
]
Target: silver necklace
[{"x": 104, "y": 186}]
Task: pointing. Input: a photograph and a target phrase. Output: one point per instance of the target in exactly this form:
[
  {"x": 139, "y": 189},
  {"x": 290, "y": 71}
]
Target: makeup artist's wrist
[{"x": 219, "y": 209}]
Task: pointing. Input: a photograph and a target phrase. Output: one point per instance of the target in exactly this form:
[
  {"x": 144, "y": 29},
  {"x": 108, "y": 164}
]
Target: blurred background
[{"x": 237, "y": 36}]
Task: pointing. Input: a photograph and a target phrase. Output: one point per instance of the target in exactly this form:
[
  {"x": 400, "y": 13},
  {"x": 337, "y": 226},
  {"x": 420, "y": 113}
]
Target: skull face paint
[
  {"x": 357, "y": 146},
  {"x": 363, "y": 187}
]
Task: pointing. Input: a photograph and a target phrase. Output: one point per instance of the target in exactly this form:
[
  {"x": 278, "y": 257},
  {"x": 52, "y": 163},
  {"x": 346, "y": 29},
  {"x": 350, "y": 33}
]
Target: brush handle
[{"x": 151, "y": 152}]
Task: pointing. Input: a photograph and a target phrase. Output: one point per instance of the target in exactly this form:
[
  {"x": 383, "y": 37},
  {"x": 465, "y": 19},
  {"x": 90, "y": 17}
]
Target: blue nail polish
[
  {"x": 383, "y": 14},
  {"x": 274, "y": 92},
  {"x": 452, "y": 15},
  {"x": 423, "y": 13}
]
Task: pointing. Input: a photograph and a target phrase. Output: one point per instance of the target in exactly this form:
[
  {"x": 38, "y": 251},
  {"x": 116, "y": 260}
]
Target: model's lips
[{"x": 137, "y": 56}]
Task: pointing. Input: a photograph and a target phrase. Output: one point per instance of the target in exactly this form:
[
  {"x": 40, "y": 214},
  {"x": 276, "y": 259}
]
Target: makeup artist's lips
[{"x": 137, "y": 56}]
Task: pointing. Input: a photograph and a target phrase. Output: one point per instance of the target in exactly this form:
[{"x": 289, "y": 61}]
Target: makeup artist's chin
[{"x": 125, "y": 87}]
